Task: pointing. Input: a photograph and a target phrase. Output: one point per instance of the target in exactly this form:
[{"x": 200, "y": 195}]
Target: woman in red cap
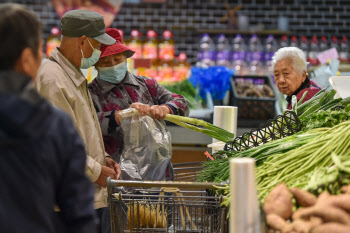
[{"x": 115, "y": 89}]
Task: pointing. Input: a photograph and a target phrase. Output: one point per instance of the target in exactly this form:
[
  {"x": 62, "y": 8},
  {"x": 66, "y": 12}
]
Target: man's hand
[
  {"x": 159, "y": 111},
  {"x": 105, "y": 173},
  {"x": 113, "y": 165},
  {"x": 144, "y": 109}
]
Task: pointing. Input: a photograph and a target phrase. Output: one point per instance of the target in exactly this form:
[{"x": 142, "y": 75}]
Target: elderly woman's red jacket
[{"x": 308, "y": 85}]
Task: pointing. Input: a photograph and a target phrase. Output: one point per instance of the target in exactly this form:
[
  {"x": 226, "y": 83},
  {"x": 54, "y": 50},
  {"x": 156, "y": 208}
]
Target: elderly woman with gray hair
[{"x": 289, "y": 70}]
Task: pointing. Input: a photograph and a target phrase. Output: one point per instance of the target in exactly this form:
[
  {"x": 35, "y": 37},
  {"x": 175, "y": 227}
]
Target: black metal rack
[{"x": 283, "y": 125}]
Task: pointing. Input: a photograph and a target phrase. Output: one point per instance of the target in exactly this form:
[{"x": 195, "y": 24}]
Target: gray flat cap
[{"x": 77, "y": 23}]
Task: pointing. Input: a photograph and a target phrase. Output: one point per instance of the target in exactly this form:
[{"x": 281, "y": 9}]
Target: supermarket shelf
[{"x": 243, "y": 32}]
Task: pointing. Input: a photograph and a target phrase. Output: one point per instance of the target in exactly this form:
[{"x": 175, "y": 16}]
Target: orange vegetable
[{"x": 279, "y": 202}]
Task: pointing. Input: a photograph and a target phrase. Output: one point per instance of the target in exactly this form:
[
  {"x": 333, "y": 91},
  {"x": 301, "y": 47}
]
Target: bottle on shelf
[
  {"x": 166, "y": 71},
  {"x": 313, "y": 53},
  {"x": 344, "y": 50},
  {"x": 294, "y": 42},
  {"x": 206, "y": 53},
  {"x": 335, "y": 43},
  {"x": 182, "y": 68},
  {"x": 304, "y": 45},
  {"x": 255, "y": 56},
  {"x": 323, "y": 44},
  {"x": 150, "y": 46},
  {"x": 135, "y": 44},
  {"x": 284, "y": 42},
  {"x": 152, "y": 71},
  {"x": 270, "y": 49},
  {"x": 223, "y": 51},
  {"x": 239, "y": 52},
  {"x": 53, "y": 41},
  {"x": 167, "y": 46}
]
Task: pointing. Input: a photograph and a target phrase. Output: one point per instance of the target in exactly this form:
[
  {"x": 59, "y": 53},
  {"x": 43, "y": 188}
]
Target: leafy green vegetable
[
  {"x": 186, "y": 89},
  {"x": 329, "y": 179},
  {"x": 328, "y": 118}
]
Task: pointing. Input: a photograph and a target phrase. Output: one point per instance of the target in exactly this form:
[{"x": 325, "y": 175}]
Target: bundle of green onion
[{"x": 205, "y": 127}]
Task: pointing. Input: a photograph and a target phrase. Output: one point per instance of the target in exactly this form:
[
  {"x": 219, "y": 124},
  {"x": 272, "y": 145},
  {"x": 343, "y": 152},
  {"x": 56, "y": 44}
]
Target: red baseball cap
[{"x": 118, "y": 47}]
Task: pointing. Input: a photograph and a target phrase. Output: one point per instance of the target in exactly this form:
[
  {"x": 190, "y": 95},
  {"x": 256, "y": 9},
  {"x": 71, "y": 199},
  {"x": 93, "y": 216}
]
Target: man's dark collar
[
  {"x": 304, "y": 85},
  {"x": 11, "y": 81}
]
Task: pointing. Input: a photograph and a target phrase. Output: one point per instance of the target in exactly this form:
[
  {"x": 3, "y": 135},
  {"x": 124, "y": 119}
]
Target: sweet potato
[
  {"x": 279, "y": 201},
  {"x": 303, "y": 226},
  {"x": 296, "y": 213},
  {"x": 323, "y": 196},
  {"x": 330, "y": 228},
  {"x": 329, "y": 208},
  {"x": 303, "y": 198},
  {"x": 315, "y": 221},
  {"x": 276, "y": 222},
  {"x": 326, "y": 213},
  {"x": 341, "y": 201}
]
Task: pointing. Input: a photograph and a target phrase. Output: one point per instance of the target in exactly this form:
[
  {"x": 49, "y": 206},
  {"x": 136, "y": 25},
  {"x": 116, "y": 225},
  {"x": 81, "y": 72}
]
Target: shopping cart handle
[{"x": 131, "y": 183}]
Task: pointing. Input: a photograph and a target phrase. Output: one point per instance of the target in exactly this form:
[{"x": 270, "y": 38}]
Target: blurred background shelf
[{"x": 243, "y": 32}]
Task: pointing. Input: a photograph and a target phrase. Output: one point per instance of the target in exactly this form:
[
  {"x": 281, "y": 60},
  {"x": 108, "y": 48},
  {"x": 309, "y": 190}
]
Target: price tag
[{"x": 326, "y": 55}]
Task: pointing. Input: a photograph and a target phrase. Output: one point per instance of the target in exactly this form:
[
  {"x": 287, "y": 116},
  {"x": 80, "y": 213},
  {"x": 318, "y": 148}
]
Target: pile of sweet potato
[{"x": 323, "y": 214}]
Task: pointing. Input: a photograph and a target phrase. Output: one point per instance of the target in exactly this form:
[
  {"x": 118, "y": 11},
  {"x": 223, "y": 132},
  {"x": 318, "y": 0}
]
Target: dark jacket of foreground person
[{"x": 42, "y": 163}]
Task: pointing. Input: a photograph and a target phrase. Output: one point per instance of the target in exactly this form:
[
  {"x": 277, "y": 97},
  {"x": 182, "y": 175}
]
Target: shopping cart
[
  {"x": 163, "y": 207},
  {"x": 187, "y": 171}
]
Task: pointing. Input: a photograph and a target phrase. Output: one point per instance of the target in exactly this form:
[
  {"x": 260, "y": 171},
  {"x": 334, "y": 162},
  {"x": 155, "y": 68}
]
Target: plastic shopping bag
[{"x": 147, "y": 148}]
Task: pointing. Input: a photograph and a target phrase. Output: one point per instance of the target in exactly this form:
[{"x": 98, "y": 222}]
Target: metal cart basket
[{"x": 163, "y": 207}]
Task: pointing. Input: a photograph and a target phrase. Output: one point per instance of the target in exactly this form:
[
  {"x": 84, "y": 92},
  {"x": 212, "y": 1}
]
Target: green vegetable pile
[
  {"x": 315, "y": 113},
  {"x": 328, "y": 118},
  {"x": 295, "y": 160},
  {"x": 290, "y": 166},
  {"x": 186, "y": 89},
  {"x": 327, "y": 179},
  {"x": 218, "y": 170},
  {"x": 296, "y": 167}
]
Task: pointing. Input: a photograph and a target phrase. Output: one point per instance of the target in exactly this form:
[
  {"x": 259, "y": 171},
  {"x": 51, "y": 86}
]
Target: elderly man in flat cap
[{"x": 61, "y": 81}]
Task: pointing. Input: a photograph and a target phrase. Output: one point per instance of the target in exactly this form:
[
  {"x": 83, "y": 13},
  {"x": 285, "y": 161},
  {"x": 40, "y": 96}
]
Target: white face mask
[{"x": 90, "y": 61}]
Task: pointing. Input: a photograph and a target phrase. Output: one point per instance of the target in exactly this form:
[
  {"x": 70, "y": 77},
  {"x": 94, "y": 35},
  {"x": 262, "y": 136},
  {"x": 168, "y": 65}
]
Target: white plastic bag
[{"x": 147, "y": 148}]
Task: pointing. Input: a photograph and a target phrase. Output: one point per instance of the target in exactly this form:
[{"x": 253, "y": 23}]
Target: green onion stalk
[
  {"x": 192, "y": 123},
  {"x": 207, "y": 128}
]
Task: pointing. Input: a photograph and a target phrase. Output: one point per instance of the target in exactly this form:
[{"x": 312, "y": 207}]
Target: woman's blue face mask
[{"x": 113, "y": 74}]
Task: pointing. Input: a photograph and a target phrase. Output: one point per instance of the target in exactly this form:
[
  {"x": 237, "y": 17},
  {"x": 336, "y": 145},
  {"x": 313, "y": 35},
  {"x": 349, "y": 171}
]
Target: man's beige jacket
[{"x": 65, "y": 87}]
